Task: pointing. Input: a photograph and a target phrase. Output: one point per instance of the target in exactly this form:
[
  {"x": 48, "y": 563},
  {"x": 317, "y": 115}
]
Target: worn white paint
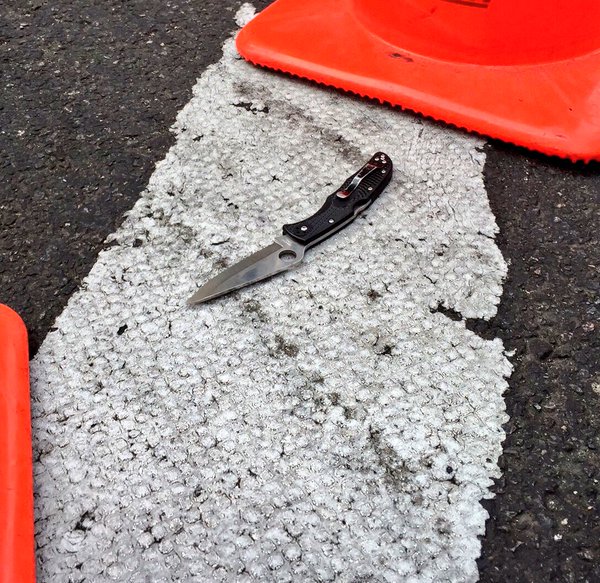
[{"x": 324, "y": 425}]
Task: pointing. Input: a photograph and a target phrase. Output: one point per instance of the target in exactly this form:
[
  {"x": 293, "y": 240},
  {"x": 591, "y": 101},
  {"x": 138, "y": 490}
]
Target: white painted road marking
[{"x": 322, "y": 425}]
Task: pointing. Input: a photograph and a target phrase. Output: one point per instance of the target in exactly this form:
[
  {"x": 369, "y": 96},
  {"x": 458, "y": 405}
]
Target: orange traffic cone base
[
  {"x": 522, "y": 72},
  {"x": 17, "y": 559}
]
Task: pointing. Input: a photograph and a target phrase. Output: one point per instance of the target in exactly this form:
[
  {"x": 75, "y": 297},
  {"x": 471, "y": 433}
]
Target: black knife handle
[{"x": 346, "y": 203}]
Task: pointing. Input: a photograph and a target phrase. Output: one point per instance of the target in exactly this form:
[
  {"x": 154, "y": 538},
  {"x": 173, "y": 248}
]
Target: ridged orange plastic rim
[
  {"x": 523, "y": 71},
  {"x": 17, "y": 559}
]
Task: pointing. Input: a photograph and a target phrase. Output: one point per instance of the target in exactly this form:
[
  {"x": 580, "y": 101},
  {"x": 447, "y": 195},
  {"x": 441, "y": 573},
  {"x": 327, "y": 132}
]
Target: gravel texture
[
  {"x": 89, "y": 89},
  {"x": 545, "y": 522},
  {"x": 332, "y": 423}
]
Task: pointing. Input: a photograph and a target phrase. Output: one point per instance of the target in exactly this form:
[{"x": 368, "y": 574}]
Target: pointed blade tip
[
  {"x": 194, "y": 300},
  {"x": 202, "y": 296}
]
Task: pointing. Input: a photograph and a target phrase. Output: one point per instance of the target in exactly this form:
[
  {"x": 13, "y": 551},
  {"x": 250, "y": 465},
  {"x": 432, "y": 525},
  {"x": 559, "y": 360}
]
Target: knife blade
[{"x": 340, "y": 208}]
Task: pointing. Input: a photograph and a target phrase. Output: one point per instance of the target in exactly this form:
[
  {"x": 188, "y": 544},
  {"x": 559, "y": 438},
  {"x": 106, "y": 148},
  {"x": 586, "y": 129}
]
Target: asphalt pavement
[{"x": 90, "y": 93}]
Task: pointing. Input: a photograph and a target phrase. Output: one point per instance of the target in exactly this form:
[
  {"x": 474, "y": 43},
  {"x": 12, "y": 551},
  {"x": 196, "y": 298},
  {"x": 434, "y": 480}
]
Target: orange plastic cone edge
[
  {"x": 17, "y": 556},
  {"x": 523, "y": 71}
]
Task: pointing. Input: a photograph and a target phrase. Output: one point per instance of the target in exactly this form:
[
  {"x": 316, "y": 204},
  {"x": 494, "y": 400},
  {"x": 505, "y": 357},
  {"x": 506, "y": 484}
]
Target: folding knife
[{"x": 287, "y": 251}]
